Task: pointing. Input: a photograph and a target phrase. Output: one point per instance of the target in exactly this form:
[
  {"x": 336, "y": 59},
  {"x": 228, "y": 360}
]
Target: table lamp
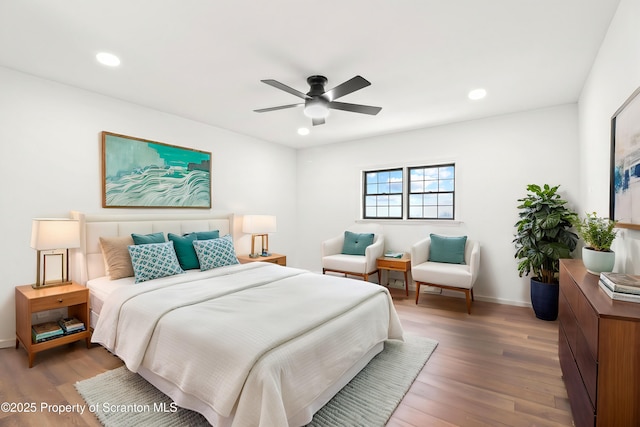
[
  {"x": 48, "y": 237},
  {"x": 259, "y": 225}
]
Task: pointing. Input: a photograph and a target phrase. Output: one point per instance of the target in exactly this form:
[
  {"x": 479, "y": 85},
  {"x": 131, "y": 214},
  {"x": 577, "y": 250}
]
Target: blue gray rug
[{"x": 368, "y": 400}]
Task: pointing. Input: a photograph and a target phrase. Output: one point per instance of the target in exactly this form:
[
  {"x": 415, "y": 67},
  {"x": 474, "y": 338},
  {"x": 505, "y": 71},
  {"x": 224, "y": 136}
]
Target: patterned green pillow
[
  {"x": 154, "y": 260},
  {"x": 215, "y": 253}
]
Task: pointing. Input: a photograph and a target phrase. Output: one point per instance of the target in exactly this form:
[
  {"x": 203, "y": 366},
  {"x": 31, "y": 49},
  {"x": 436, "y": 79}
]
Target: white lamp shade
[
  {"x": 259, "y": 224},
  {"x": 54, "y": 233}
]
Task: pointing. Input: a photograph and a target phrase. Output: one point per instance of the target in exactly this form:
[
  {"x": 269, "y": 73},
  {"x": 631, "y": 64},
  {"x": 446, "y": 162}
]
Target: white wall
[
  {"x": 614, "y": 76},
  {"x": 495, "y": 160},
  {"x": 50, "y": 164}
]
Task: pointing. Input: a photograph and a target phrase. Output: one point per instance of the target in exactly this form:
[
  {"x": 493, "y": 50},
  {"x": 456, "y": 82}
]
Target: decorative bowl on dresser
[{"x": 599, "y": 350}]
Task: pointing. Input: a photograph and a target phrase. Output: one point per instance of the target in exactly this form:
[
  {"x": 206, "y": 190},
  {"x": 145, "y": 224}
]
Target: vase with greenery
[
  {"x": 543, "y": 237},
  {"x": 598, "y": 234}
]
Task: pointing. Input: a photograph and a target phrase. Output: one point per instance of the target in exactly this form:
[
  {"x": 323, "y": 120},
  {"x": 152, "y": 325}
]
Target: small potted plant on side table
[{"x": 598, "y": 235}]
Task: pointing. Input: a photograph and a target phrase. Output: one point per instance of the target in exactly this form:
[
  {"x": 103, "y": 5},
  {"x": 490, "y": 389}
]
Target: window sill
[{"x": 440, "y": 222}]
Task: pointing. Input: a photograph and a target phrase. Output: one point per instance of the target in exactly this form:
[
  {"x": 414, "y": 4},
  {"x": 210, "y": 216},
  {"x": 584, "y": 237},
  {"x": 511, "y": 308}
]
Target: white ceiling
[{"x": 204, "y": 59}]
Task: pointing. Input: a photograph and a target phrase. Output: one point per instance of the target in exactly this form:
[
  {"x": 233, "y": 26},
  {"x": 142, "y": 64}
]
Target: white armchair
[
  {"x": 333, "y": 260},
  {"x": 451, "y": 276}
]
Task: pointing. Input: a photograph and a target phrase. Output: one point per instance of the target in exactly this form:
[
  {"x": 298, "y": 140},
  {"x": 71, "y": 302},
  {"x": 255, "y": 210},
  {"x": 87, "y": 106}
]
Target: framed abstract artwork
[
  {"x": 137, "y": 173},
  {"x": 624, "y": 205}
]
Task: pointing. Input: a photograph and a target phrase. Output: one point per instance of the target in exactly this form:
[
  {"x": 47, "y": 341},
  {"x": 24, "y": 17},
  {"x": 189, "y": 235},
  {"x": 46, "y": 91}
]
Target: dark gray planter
[{"x": 544, "y": 299}]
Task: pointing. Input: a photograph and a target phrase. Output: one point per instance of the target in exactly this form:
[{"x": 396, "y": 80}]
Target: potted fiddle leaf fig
[
  {"x": 543, "y": 236},
  {"x": 598, "y": 235}
]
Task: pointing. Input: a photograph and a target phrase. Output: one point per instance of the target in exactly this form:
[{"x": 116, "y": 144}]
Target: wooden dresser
[{"x": 599, "y": 350}]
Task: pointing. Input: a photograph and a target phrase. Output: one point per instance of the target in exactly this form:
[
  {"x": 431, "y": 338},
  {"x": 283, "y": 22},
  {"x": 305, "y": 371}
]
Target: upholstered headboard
[{"x": 88, "y": 262}]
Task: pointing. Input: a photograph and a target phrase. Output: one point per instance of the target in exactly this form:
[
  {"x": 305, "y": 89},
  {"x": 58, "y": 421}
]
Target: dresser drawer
[
  {"x": 55, "y": 301},
  {"x": 584, "y": 413},
  {"x": 585, "y": 316},
  {"x": 587, "y": 366},
  {"x": 567, "y": 321}
]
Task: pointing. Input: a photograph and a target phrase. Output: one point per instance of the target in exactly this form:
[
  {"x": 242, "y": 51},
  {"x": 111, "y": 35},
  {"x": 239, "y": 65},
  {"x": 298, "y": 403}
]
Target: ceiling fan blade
[
  {"x": 317, "y": 122},
  {"x": 354, "y": 108},
  {"x": 352, "y": 85},
  {"x": 285, "y": 88},
  {"x": 281, "y": 107}
]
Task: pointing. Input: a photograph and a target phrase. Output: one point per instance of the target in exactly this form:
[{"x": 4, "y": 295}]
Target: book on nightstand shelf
[
  {"x": 393, "y": 254},
  {"x": 46, "y": 331},
  {"x": 71, "y": 325},
  {"x": 621, "y": 282},
  {"x": 619, "y": 296}
]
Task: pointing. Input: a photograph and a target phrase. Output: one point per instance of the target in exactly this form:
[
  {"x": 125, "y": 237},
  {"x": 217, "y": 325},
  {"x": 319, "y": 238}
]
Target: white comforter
[{"x": 256, "y": 342}]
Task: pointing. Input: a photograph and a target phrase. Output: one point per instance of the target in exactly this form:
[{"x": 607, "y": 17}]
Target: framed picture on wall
[
  {"x": 137, "y": 173},
  {"x": 625, "y": 164}
]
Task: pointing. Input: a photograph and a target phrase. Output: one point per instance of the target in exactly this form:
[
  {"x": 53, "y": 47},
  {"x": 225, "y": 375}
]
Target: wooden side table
[
  {"x": 396, "y": 264},
  {"x": 273, "y": 258},
  {"x": 74, "y": 297}
]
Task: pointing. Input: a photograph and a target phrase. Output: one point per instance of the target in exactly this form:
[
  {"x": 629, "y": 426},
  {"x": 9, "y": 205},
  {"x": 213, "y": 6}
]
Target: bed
[{"x": 253, "y": 344}]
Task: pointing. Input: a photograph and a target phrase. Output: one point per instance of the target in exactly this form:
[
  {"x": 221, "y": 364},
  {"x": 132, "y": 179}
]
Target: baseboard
[
  {"x": 502, "y": 301},
  {"x": 399, "y": 284},
  {"x": 486, "y": 299},
  {"x": 8, "y": 343}
]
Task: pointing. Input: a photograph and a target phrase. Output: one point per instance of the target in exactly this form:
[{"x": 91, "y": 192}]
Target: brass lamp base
[{"x": 50, "y": 284}]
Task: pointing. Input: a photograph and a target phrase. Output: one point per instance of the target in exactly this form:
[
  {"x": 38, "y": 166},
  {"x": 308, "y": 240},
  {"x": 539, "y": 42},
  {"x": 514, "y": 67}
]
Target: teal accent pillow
[
  {"x": 215, "y": 253},
  {"x": 183, "y": 246},
  {"x": 207, "y": 235},
  {"x": 145, "y": 239},
  {"x": 447, "y": 249},
  {"x": 154, "y": 260},
  {"x": 356, "y": 243}
]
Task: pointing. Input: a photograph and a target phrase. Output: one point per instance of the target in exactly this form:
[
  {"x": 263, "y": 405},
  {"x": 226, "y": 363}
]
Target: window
[
  {"x": 383, "y": 194},
  {"x": 429, "y": 192}
]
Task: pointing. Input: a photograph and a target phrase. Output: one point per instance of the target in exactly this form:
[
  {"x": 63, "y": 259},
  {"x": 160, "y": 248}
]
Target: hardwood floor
[{"x": 496, "y": 367}]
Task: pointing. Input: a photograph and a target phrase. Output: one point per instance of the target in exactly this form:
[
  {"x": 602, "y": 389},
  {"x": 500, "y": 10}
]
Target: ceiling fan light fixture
[
  {"x": 477, "y": 94},
  {"x": 108, "y": 59},
  {"x": 316, "y": 109}
]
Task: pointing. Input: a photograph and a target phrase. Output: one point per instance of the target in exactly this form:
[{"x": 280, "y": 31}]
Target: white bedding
[{"x": 258, "y": 342}]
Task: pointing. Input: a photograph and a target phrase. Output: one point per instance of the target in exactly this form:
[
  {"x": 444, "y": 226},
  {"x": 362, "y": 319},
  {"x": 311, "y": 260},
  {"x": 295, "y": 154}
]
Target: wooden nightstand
[
  {"x": 396, "y": 264},
  {"x": 273, "y": 258},
  {"x": 29, "y": 300}
]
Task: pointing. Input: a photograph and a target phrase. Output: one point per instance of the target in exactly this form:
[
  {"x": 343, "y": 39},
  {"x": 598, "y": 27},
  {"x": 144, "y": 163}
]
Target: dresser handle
[{"x": 60, "y": 300}]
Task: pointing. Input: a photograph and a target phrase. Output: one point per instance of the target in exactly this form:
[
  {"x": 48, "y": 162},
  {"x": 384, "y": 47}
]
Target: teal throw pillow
[
  {"x": 356, "y": 243},
  {"x": 154, "y": 260},
  {"x": 207, "y": 235},
  {"x": 447, "y": 249},
  {"x": 184, "y": 250},
  {"x": 145, "y": 239},
  {"x": 215, "y": 253}
]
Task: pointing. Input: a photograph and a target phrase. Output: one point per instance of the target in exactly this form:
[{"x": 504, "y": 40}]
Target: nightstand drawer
[
  {"x": 54, "y": 301},
  {"x": 385, "y": 263}
]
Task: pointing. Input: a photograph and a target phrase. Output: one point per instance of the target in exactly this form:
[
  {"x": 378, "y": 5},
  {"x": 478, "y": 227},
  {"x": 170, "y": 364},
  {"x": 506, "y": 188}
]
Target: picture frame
[
  {"x": 140, "y": 173},
  {"x": 624, "y": 200}
]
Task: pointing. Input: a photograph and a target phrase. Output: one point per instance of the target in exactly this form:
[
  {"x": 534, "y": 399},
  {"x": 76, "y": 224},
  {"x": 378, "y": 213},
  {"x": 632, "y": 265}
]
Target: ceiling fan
[{"x": 317, "y": 102}]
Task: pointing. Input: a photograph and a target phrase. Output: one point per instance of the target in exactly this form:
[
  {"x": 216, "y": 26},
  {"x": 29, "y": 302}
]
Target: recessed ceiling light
[
  {"x": 477, "y": 94},
  {"x": 303, "y": 131},
  {"x": 108, "y": 59}
]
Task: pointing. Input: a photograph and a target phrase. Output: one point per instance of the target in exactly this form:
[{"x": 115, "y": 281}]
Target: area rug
[{"x": 368, "y": 400}]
